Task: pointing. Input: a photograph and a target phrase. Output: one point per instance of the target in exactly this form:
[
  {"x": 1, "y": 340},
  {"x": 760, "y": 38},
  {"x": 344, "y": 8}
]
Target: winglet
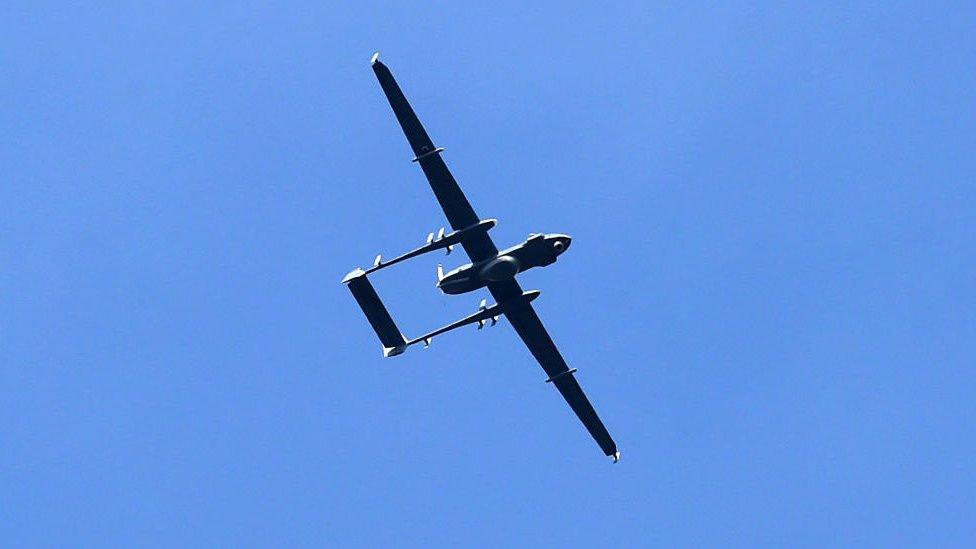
[
  {"x": 374, "y": 59},
  {"x": 615, "y": 457}
]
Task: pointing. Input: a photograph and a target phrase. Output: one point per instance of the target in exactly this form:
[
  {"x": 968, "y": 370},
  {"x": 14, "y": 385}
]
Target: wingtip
[
  {"x": 394, "y": 351},
  {"x": 374, "y": 59},
  {"x": 615, "y": 457}
]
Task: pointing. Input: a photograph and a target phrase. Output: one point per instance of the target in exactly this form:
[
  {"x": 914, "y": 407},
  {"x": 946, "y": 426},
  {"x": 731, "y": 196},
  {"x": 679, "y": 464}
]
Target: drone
[{"x": 488, "y": 268}]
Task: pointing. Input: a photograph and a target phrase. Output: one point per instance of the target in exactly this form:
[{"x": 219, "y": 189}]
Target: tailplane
[{"x": 393, "y": 341}]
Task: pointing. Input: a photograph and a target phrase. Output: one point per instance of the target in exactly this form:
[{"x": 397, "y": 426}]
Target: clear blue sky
[{"x": 769, "y": 296}]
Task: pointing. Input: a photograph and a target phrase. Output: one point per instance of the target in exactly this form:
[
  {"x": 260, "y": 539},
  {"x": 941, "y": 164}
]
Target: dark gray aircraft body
[
  {"x": 489, "y": 268},
  {"x": 538, "y": 251}
]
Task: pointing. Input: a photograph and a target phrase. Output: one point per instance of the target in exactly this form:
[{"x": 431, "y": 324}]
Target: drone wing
[
  {"x": 452, "y": 200},
  {"x": 529, "y": 327}
]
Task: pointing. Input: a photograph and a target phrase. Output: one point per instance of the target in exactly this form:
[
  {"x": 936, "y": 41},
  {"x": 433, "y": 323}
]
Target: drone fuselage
[{"x": 539, "y": 250}]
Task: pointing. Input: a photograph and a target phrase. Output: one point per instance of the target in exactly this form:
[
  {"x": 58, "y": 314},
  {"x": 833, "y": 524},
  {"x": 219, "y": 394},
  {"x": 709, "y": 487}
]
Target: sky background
[{"x": 769, "y": 296}]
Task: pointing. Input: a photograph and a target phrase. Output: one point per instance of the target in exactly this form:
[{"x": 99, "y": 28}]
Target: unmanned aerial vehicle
[{"x": 489, "y": 268}]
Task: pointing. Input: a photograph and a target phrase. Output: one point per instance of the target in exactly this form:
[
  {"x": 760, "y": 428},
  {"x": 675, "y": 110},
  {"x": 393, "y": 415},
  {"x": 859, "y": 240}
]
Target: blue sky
[{"x": 769, "y": 295}]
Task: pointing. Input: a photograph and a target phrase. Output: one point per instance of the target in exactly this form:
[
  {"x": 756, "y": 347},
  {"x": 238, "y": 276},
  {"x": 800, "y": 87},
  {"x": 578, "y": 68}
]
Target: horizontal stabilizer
[{"x": 393, "y": 341}]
